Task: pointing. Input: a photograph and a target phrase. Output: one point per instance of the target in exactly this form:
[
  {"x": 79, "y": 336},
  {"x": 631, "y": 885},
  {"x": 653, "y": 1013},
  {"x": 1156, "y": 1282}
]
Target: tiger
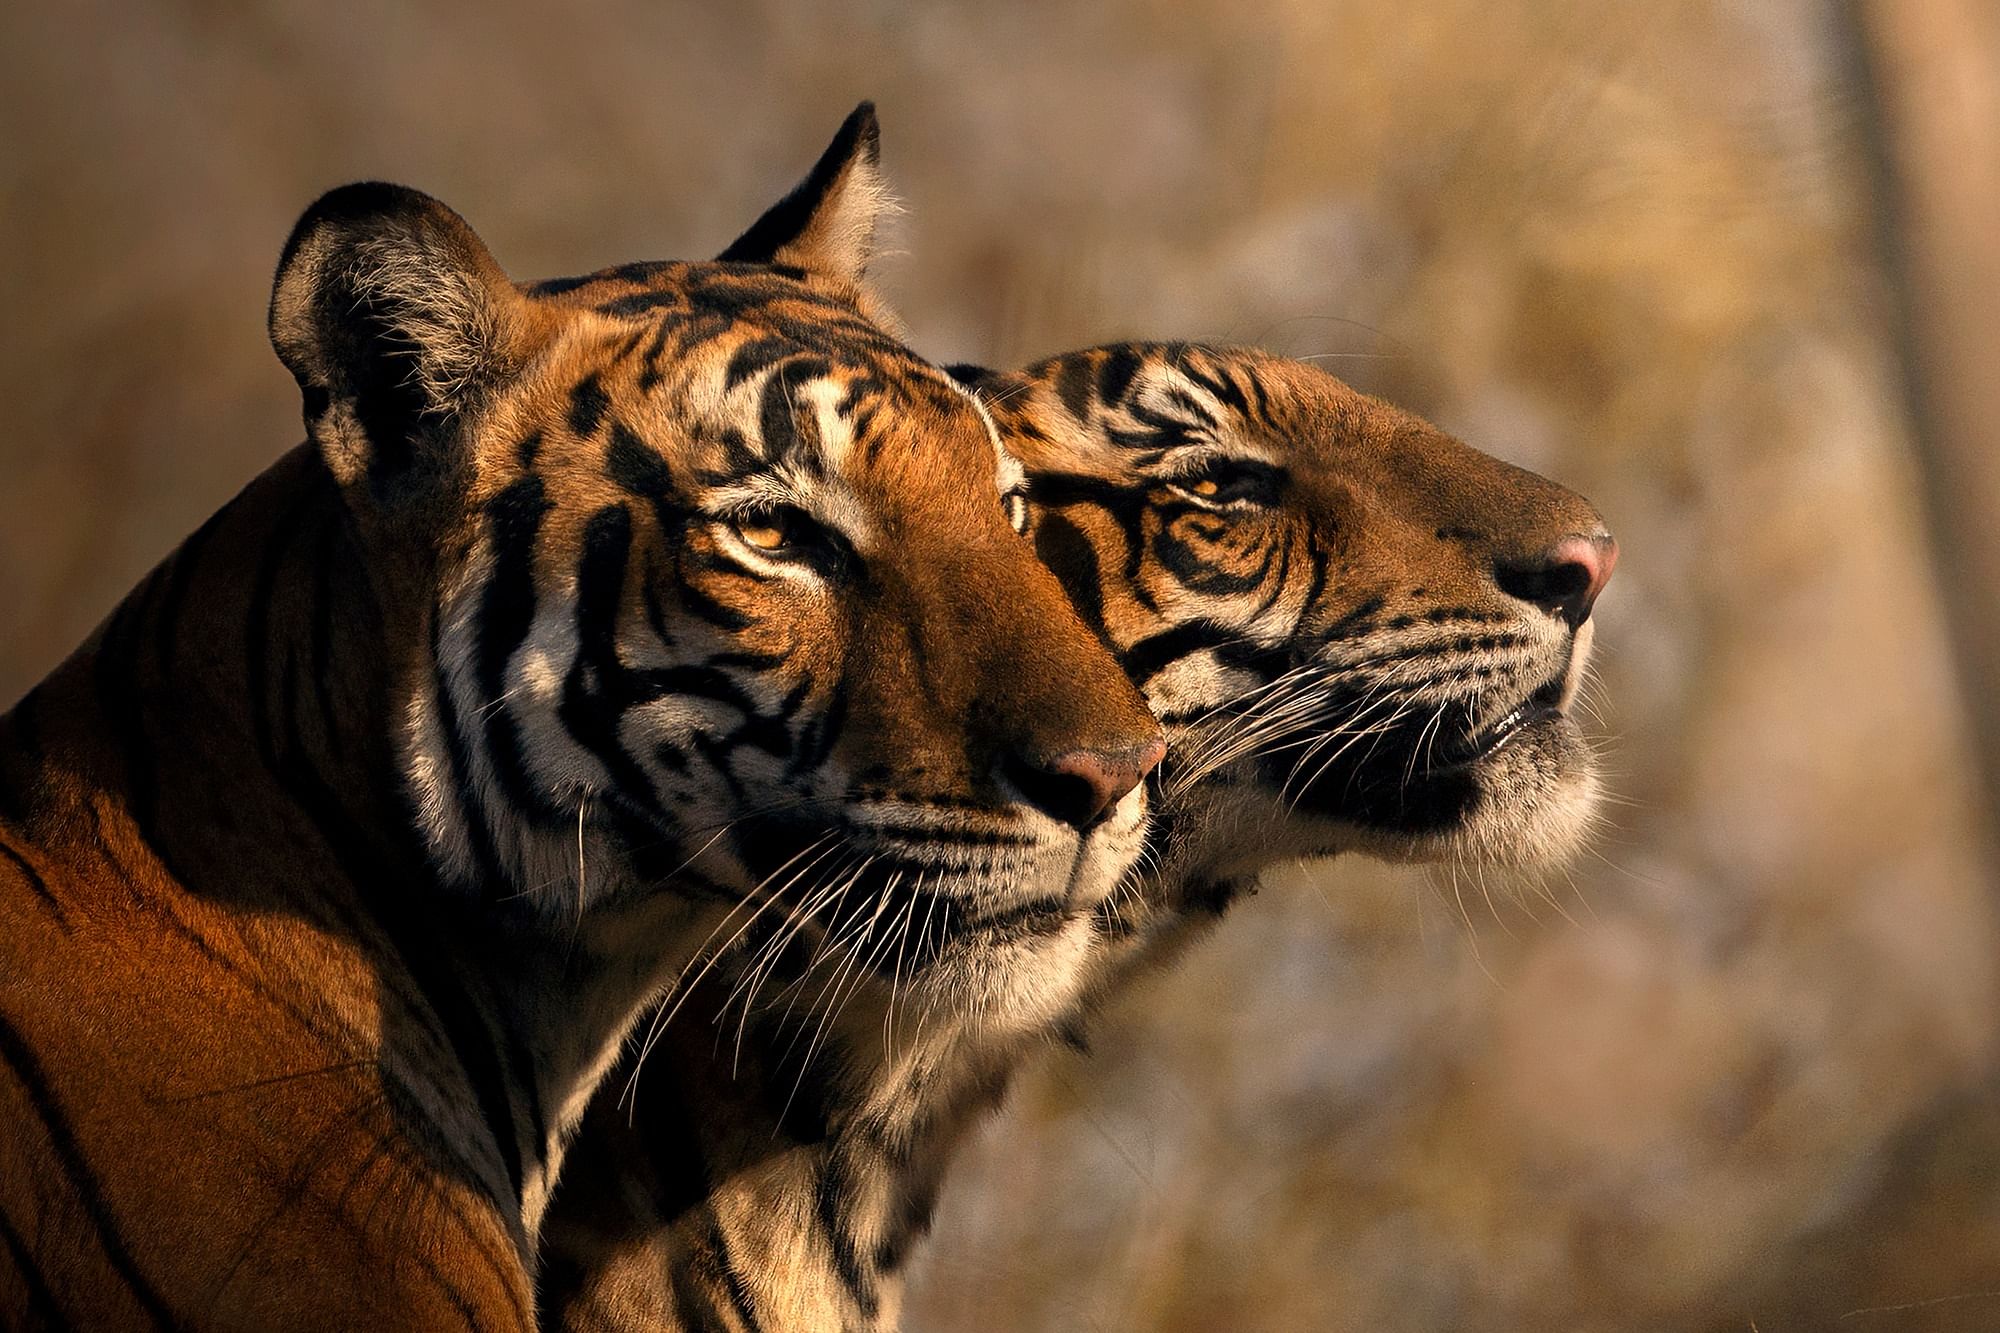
[
  {"x": 1361, "y": 636},
  {"x": 339, "y": 862}
]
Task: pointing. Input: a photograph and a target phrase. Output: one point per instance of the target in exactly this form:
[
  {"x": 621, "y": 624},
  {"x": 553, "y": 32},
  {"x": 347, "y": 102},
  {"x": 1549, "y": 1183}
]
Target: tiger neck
[
  {"x": 770, "y": 1174},
  {"x": 243, "y": 712}
]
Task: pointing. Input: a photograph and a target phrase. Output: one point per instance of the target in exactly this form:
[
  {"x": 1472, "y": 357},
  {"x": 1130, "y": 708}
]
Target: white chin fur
[
  {"x": 1537, "y": 801},
  {"x": 1537, "y": 797}
]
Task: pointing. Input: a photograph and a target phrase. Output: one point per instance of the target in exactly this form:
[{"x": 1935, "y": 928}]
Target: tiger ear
[
  {"x": 395, "y": 320},
  {"x": 827, "y": 224}
]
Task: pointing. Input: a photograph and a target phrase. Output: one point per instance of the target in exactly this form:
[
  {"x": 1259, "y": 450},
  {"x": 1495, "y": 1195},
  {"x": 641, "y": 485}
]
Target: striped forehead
[
  {"x": 1139, "y": 404},
  {"x": 823, "y": 413},
  {"x": 754, "y": 386}
]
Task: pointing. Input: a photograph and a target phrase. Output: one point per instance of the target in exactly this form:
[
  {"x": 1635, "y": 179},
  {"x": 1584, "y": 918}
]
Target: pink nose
[
  {"x": 1565, "y": 578},
  {"x": 1079, "y": 786}
]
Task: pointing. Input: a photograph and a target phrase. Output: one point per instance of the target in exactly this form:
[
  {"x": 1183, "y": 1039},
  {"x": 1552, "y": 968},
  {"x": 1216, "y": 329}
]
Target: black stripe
[
  {"x": 506, "y": 614},
  {"x": 1064, "y": 548},
  {"x": 756, "y": 355},
  {"x": 75, "y": 1163},
  {"x": 1116, "y": 373},
  {"x": 738, "y": 1291},
  {"x": 1153, "y": 654},
  {"x": 1074, "y": 388},
  {"x": 1261, "y": 410},
  {"x": 699, "y": 604},
  {"x": 1191, "y": 405},
  {"x": 587, "y": 405},
  {"x": 1221, "y": 386},
  {"x": 1321, "y": 563},
  {"x": 1160, "y": 430},
  {"x": 599, "y": 687},
  {"x": 472, "y": 815},
  {"x": 41, "y": 1301},
  {"x": 635, "y": 466},
  {"x": 700, "y": 682},
  {"x": 507, "y": 605},
  {"x": 1186, "y": 565},
  {"x": 1277, "y": 580},
  {"x": 650, "y": 376},
  {"x": 830, "y": 1200},
  {"x": 784, "y": 427},
  {"x": 35, "y": 882},
  {"x": 818, "y": 737},
  {"x": 1357, "y": 622}
]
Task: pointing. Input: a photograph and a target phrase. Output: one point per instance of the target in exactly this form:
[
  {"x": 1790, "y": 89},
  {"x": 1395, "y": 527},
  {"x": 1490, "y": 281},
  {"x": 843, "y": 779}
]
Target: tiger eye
[
  {"x": 763, "y": 536},
  {"x": 1205, "y": 486}
]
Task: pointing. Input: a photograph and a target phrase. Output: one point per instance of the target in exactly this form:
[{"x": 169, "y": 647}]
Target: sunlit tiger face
[
  {"x": 1360, "y": 633},
  {"x": 729, "y": 593}
]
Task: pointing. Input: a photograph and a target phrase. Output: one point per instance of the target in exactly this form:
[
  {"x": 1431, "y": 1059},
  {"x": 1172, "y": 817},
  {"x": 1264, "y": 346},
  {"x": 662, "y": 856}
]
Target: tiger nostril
[
  {"x": 1566, "y": 578},
  {"x": 1079, "y": 787}
]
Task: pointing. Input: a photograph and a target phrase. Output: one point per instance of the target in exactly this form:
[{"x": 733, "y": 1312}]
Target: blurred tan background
[{"x": 1740, "y": 1069}]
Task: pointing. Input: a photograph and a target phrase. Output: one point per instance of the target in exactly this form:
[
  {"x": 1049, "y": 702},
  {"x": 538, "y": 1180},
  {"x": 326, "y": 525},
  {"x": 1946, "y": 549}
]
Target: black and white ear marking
[
  {"x": 972, "y": 377},
  {"x": 394, "y": 319},
  {"x": 827, "y": 224}
]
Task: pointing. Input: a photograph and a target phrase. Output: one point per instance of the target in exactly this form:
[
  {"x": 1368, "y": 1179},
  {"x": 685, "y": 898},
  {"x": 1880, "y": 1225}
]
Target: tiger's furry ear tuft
[
  {"x": 827, "y": 224},
  {"x": 394, "y": 319}
]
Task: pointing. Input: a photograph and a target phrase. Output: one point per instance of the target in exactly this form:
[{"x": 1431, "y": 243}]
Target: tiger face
[
  {"x": 727, "y": 592},
  {"x": 1360, "y": 633}
]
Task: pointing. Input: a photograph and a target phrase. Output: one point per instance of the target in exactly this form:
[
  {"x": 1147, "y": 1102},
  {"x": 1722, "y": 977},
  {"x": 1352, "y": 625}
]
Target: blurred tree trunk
[{"x": 1931, "y": 71}]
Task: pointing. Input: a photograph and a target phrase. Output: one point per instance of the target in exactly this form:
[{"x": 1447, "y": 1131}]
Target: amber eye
[
  {"x": 763, "y": 534},
  {"x": 790, "y": 535},
  {"x": 1232, "y": 483}
]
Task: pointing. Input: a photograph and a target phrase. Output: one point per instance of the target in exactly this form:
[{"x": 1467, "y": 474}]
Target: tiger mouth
[
  {"x": 936, "y": 886},
  {"x": 1545, "y": 704}
]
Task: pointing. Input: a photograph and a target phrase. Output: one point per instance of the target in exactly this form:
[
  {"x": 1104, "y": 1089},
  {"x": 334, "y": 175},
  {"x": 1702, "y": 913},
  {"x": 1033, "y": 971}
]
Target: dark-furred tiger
[
  {"x": 595, "y": 614},
  {"x": 1361, "y": 635}
]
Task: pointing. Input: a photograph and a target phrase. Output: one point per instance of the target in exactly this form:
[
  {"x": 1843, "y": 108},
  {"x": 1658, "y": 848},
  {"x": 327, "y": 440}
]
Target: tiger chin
[{"x": 1507, "y": 782}]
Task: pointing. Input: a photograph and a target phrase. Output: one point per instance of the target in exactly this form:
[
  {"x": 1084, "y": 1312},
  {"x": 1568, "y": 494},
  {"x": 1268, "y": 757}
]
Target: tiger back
[{"x": 336, "y": 866}]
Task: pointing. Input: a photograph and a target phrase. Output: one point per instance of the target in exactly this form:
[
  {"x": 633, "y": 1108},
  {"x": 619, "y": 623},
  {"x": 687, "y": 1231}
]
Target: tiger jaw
[
  {"x": 1517, "y": 785},
  {"x": 977, "y": 913},
  {"x": 1358, "y": 753}
]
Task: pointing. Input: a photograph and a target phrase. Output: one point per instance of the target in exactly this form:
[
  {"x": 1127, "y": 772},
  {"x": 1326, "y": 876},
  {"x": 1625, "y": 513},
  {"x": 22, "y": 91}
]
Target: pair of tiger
[{"x": 634, "y": 729}]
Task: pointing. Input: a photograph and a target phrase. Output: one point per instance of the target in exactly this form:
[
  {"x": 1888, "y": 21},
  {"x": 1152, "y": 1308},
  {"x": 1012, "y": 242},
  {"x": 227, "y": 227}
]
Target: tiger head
[
  {"x": 718, "y": 585},
  {"x": 1360, "y": 633}
]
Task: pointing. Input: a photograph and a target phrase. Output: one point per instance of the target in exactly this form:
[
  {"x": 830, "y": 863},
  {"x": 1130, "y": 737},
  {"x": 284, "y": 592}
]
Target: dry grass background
[{"x": 1738, "y": 1071}]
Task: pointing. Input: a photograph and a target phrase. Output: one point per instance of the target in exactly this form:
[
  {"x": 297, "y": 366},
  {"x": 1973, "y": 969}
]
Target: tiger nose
[
  {"x": 1080, "y": 786},
  {"x": 1565, "y": 578}
]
